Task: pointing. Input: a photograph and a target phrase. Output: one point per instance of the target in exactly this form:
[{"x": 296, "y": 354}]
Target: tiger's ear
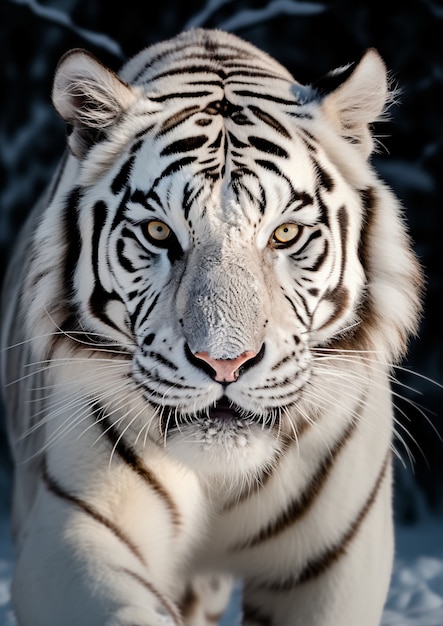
[
  {"x": 89, "y": 97},
  {"x": 354, "y": 97}
]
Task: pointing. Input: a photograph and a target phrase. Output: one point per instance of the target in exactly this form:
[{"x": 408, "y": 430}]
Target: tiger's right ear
[
  {"x": 354, "y": 97},
  {"x": 89, "y": 97}
]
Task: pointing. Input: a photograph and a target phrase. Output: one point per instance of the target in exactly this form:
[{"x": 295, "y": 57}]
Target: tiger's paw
[{"x": 207, "y": 599}]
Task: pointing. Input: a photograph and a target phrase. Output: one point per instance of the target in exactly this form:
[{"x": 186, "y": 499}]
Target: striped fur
[{"x": 201, "y": 322}]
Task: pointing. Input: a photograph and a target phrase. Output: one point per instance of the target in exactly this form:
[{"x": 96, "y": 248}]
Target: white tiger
[{"x": 202, "y": 315}]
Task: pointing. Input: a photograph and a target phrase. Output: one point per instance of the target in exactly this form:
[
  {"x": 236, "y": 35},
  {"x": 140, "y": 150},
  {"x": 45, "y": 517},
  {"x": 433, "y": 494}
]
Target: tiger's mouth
[
  {"x": 223, "y": 412},
  {"x": 224, "y": 409}
]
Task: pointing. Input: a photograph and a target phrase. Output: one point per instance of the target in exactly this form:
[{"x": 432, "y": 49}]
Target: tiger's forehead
[
  {"x": 222, "y": 159},
  {"x": 236, "y": 149},
  {"x": 222, "y": 132},
  {"x": 197, "y": 52}
]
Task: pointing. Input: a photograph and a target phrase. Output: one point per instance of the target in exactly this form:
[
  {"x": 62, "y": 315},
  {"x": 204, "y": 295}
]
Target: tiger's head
[{"x": 223, "y": 235}]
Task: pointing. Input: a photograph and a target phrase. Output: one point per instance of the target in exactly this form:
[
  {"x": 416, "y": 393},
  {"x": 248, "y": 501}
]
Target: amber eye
[
  {"x": 157, "y": 231},
  {"x": 285, "y": 235},
  {"x": 161, "y": 236}
]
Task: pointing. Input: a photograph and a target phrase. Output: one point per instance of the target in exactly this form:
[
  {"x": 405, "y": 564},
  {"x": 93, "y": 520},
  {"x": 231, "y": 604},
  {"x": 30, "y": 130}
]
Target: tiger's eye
[
  {"x": 286, "y": 234},
  {"x": 158, "y": 231}
]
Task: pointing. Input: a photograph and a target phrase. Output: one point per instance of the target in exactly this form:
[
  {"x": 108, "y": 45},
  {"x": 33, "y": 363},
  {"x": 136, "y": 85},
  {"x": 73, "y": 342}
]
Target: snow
[
  {"x": 415, "y": 597},
  {"x": 6, "y": 568},
  {"x": 416, "y": 593}
]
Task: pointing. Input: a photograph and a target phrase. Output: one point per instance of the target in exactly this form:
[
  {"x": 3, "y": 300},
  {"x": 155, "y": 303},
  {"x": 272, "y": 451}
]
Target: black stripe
[
  {"x": 301, "y": 298},
  {"x": 320, "y": 259},
  {"x": 72, "y": 237},
  {"x": 213, "y": 83},
  {"x": 100, "y": 297},
  {"x": 54, "y": 488},
  {"x": 339, "y": 296},
  {"x": 236, "y": 142},
  {"x": 314, "y": 235},
  {"x": 264, "y": 96},
  {"x": 122, "y": 177},
  {"x": 299, "y": 115},
  {"x": 178, "y": 118},
  {"x": 190, "y": 195},
  {"x": 140, "y": 139},
  {"x": 325, "y": 179},
  {"x": 180, "y": 94},
  {"x": 310, "y": 136},
  {"x": 272, "y": 167},
  {"x": 173, "y": 167},
  {"x": 246, "y": 72},
  {"x": 190, "y": 69},
  {"x": 282, "y": 361},
  {"x": 211, "y": 173},
  {"x": 269, "y": 120},
  {"x": 122, "y": 259},
  {"x": 161, "y": 359},
  {"x": 294, "y": 308},
  {"x": 299, "y": 506},
  {"x": 324, "y": 215},
  {"x": 128, "y": 456},
  {"x": 155, "y": 592},
  {"x": 255, "y": 616},
  {"x": 302, "y": 196},
  {"x": 189, "y": 601},
  {"x": 239, "y": 184},
  {"x": 267, "y": 146},
  {"x": 194, "y": 53},
  {"x": 159, "y": 57},
  {"x": 184, "y": 145},
  {"x": 138, "y": 308},
  {"x": 160, "y": 391},
  {"x": 332, "y": 80},
  {"x": 369, "y": 202}
]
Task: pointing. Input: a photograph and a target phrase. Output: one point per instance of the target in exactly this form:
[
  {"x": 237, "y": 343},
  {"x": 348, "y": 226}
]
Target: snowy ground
[
  {"x": 416, "y": 594},
  {"x": 415, "y": 598}
]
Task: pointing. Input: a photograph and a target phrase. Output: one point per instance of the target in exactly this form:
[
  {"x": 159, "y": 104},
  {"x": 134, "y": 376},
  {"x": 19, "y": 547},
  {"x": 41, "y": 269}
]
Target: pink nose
[{"x": 226, "y": 370}]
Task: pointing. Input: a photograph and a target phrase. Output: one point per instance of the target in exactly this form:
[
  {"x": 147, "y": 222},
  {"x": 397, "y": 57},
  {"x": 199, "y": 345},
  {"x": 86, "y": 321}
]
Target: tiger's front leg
[
  {"x": 104, "y": 546},
  {"x": 346, "y": 585}
]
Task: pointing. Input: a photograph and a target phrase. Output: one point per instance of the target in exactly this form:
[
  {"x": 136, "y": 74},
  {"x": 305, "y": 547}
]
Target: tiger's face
[
  {"x": 227, "y": 281},
  {"x": 221, "y": 242}
]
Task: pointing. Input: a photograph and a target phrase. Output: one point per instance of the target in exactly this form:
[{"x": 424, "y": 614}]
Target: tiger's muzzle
[{"x": 222, "y": 308}]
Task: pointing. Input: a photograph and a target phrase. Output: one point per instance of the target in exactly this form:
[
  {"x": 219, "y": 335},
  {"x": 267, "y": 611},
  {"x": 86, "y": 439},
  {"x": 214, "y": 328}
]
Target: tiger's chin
[{"x": 223, "y": 440}]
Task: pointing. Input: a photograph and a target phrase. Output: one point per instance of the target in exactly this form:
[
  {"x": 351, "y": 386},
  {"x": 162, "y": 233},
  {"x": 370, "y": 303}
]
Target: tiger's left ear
[
  {"x": 354, "y": 97},
  {"x": 89, "y": 97}
]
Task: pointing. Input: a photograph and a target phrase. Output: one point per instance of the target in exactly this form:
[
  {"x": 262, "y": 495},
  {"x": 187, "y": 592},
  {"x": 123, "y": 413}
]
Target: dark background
[{"x": 310, "y": 38}]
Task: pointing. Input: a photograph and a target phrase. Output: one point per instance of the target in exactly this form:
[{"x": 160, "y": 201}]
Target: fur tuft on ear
[
  {"x": 89, "y": 97},
  {"x": 358, "y": 99}
]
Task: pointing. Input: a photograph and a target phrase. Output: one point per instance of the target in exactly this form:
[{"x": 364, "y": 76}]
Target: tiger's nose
[{"x": 226, "y": 370}]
